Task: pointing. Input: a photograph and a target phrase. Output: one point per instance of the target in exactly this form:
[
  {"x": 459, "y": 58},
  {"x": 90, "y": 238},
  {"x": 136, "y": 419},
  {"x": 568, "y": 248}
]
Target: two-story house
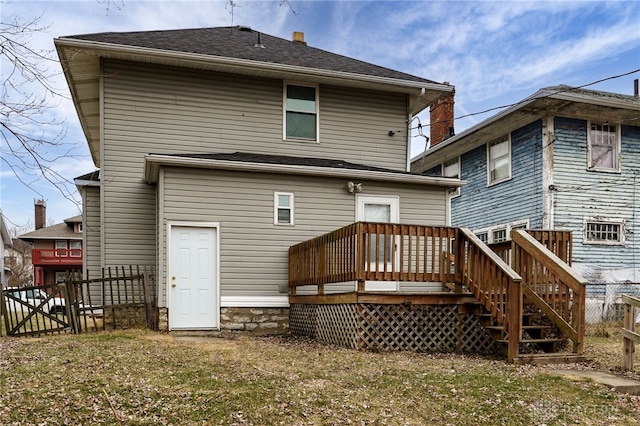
[
  {"x": 5, "y": 240},
  {"x": 219, "y": 148},
  {"x": 57, "y": 249},
  {"x": 563, "y": 158}
]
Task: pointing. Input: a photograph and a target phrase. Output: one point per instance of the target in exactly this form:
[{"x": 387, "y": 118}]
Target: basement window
[{"x": 604, "y": 231}]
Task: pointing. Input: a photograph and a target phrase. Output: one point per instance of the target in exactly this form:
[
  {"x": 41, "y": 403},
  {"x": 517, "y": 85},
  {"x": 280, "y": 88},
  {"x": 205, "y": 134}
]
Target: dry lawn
[{"x": 140, "y": 377}]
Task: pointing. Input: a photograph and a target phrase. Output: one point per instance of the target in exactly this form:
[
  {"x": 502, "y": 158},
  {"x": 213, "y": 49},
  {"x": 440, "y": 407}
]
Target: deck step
[
  {"x": 549, "y": 358},
  {"x": 536, "y": 341},
  {"x": 524, "y": 327}
]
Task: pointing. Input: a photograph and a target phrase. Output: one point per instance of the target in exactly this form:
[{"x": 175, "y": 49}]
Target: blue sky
[{"x": 494, "y": 52}]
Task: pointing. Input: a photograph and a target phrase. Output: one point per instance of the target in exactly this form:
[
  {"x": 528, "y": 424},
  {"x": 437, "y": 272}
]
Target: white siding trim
[
  {"x": 254, "y": 301},
  {"x": 547, "y": 172},
  {"x": 103, "y": 255}
]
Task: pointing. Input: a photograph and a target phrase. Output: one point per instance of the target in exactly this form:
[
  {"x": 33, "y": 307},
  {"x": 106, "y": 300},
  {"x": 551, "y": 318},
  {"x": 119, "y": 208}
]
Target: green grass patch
[{"x": 137, "y": 377}]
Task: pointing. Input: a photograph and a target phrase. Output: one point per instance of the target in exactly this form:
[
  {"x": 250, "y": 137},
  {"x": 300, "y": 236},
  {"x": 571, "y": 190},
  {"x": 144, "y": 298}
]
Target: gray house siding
[
  {"x": 480, "y": 206},
  {"x": 585, "y": 194},
  {"x": 254, "y": 251},
  {"x": 91, "y": 230},
  {"x": 150, "y": 109}
]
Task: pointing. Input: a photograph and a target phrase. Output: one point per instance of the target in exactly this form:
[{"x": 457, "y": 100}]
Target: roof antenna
[{"x": 259, "y": 43}]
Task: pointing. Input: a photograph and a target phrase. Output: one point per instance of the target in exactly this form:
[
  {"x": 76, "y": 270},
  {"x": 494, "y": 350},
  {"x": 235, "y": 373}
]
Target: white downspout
[
  {"x": 548, "y": 188},
  {"x": 408, "y": 127}
]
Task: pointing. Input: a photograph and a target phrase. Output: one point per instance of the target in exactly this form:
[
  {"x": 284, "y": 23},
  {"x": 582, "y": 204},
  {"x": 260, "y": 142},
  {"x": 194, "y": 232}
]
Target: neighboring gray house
[
  {"x": 563, "y": 158},
  {"x": 219, "y": 148}
]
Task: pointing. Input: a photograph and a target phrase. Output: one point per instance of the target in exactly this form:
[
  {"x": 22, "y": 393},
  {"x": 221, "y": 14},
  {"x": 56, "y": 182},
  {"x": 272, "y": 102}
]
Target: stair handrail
[
  {"x": 561, "y": 274},
  {"x": 494, "y": 283}
]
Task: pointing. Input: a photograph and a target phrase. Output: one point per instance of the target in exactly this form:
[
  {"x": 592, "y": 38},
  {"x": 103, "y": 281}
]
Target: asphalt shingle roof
[
  {"x": 286, "y": 160},
  {"x": 239, "y": 42}
]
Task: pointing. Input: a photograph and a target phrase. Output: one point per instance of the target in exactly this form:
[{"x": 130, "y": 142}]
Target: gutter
[{"x": 153, "y": 162}]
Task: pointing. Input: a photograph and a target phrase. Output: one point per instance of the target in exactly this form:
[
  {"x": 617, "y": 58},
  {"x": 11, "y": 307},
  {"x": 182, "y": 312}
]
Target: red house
[{"x": 57, "y": 249}]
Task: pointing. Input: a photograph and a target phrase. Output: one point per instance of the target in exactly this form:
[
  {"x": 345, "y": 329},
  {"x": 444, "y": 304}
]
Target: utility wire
[{"x": 567, "y": 89}]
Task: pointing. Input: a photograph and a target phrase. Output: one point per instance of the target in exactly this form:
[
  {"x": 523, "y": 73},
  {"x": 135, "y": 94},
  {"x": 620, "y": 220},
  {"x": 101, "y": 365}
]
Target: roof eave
[
  {"x": 153, "y": 162},
  {"x": 421, "y": 93}
]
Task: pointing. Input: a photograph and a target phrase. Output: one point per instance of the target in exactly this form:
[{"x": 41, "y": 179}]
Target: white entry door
[
  {"x": 372, "y": 208},
  {"x": 192, "y": 278}
]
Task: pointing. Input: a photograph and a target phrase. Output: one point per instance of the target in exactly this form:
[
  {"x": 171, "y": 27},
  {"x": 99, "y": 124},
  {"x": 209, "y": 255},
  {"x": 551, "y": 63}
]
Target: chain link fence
[{"x": 604, "y": 303}]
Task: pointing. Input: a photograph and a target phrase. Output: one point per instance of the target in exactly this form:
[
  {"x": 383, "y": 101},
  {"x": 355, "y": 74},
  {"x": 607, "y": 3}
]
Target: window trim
[
  {"x": 61, "y": 251},
  {"x": 618, "y": 146},
  {"x": 455, "y": 192},
  {"x": 604, "y": 221},
  {"x": 277, "y": 207},
  {"x": 505, "y": 138},
  {"x": 284, "y": 111},
  {"x": 489, "y": 230}
]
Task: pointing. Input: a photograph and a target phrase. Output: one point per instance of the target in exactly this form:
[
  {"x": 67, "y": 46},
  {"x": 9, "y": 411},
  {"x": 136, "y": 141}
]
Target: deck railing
[
  {"x": 551, "y": 285},
  {"x": 493, "y": 283},
  {"x": 57, "y": 256},
  {"x": 366, "y": 251},
  {"x": 559, "y": 243},
  {"x": 390, "y": 252}
]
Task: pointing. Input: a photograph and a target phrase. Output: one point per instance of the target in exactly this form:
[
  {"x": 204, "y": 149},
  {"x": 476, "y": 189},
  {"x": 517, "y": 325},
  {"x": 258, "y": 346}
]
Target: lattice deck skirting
[{"x": 378, "y": 327}]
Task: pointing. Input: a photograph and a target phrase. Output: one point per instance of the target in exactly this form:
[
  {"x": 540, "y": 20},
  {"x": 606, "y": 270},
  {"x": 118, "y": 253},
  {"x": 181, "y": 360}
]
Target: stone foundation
[{"x": 254, "y": 320}]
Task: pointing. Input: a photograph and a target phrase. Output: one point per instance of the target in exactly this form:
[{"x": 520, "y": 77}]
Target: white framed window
[
  {"x": 61, "y": 248},
  {"x": 483, "y": 236},
  {"x": 78, "y": 227},
  {"x": 283, "y": 208},
  {"x": 499, "y": 160},
  {"x": 500, "y": 233},
  {"x": 608, "y": 231},
  {"x": 300, "y": 112},
  {"x": 75, "y": 248},
  {"x": 603, "y": 147},
  {"x": 451, "y": 168},
  {"x": 60, "y": 277}
]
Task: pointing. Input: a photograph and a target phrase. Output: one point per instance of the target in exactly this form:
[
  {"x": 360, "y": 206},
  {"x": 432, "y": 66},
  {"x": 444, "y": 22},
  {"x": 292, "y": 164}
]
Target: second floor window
[
  {"x": 301, "y": 112},
  {"x": 61, "y": 248},
  {"x": 75, "y": 248},
  {"x": 603, "y": 147},
  {"x": 498, "y": 160}
]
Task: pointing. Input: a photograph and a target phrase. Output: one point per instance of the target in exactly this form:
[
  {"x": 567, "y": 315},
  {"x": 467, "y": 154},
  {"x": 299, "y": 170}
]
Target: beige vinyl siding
[
  {"x": 91, "y": 231},
  {"x": 173, "y": 110},
  {"x": 153, "y": 109},
  {"x": 253, "y": 251}
]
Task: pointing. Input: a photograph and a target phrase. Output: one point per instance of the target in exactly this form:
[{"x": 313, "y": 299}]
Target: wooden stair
[{"x": 546, "y": 349}]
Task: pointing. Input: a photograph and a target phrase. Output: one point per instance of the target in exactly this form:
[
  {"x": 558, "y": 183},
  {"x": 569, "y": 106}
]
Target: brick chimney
[
  {"x": 441, "y": 118},
  {"x": 40, "y": 214}
]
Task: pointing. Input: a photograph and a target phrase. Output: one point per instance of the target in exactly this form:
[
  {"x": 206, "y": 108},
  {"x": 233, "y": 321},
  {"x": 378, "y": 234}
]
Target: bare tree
[{"x": 31, "y": 141}]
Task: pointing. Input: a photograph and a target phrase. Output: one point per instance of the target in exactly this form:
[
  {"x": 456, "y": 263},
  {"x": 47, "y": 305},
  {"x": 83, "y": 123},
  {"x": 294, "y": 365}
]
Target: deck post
[
  {"x": 360, "y": 256},
  {"x": 514, "y": 314}
]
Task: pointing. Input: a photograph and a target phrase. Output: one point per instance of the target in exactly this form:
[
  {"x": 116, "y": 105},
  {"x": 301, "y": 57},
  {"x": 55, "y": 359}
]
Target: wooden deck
[{"x": 503, "y": 292}]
